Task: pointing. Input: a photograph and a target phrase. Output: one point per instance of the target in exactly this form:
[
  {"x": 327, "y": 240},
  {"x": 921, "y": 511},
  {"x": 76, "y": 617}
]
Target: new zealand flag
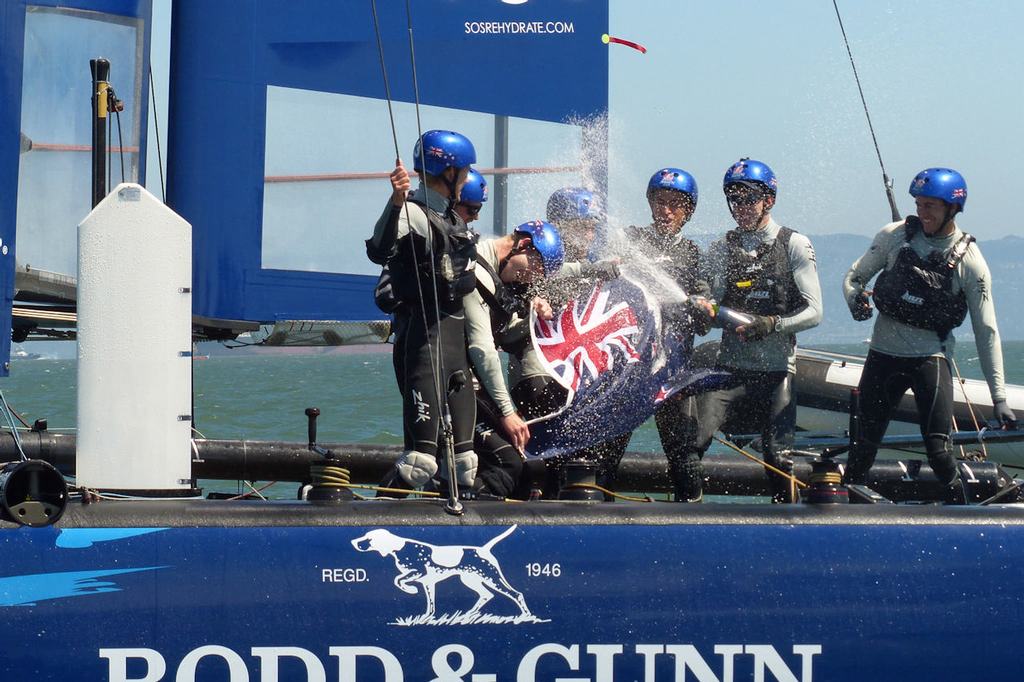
[{"x": 619, "y": 354}]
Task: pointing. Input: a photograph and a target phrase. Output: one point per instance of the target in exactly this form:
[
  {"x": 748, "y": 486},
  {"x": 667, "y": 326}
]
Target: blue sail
[{"x": 235, "y": 64}]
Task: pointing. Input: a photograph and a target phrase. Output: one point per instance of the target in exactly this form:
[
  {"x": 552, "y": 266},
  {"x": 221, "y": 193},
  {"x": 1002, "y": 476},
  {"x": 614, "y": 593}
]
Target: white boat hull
[{"x": 824, "y": 381}]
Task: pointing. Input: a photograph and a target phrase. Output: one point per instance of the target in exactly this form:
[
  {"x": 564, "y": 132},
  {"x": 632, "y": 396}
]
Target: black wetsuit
[
  {"x": 500, "y": 471},
  {"x": 757, "y": 402},
  {"x": 883, "y": 381},
  {"x": 429, "y": 358}
]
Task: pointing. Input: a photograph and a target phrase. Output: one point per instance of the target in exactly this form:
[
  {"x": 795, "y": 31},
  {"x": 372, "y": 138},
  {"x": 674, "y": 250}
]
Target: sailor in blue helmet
[
  {"x": 672, "y": 197},
  {"x": 472, "y": 197},
  {"x": 767, "y": 272},
  {"x": 498, "y": 316},
  {"x": 430, "y": 254},
  {"x": 931, "y": 274},
  {"x": 577, "y": 213}
]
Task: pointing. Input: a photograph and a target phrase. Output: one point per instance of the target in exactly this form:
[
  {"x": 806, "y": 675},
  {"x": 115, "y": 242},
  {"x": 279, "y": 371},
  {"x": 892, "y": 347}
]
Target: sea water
[{"x": 263, "y": 395}]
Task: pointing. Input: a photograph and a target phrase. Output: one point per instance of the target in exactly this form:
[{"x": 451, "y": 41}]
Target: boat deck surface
[{"x": 209, "y": 513}]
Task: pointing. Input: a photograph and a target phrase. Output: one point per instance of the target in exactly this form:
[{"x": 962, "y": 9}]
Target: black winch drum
[{"x": 32, "y": 493}]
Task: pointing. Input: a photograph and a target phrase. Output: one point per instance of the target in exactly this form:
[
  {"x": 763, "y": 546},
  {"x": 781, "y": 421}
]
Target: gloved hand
[
  {"x": 860, "y": 306},
  {"x": 701, "y": 313},
  {"x": 1004, "y": 415},
  {"x": 602, "y": 269},
  {"x": 759, "y": 327}
]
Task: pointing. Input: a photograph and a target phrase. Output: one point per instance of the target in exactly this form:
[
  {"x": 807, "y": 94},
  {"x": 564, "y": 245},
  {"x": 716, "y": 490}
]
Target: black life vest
[
  {"x": 919, "y": 291},
  {"x": 450, "y": 266},
  {"x": 500, "y": 299},
  {"x": 761, "y": 283}
]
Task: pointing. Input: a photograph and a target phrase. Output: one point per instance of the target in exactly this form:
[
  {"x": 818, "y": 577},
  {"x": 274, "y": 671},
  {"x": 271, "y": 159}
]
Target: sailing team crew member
[
  {"x": 672, "y": 197},
  {"x": 498, "y": 314},
  {"x": 430, "y": 254},
  {"x": 932, "y": 274},
  {"x": 577, "y": 214},
  {"x": 768, "y": 272}
]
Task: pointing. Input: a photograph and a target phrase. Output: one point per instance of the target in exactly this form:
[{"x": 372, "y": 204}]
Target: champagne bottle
[
  {"x": 726, "y": 317},
  {"x": 729, "y": 318}
]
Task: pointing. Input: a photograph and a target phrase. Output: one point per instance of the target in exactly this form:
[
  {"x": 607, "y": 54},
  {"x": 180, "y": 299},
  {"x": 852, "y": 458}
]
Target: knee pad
[
  {"x": 416, "y": 468},
  {"x": 465, "y": 468}
]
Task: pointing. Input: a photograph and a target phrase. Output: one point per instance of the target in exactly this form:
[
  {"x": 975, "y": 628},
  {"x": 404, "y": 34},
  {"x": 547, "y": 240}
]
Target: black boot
[
  {"x": 956, "y": 492},
  {"x": 688, "y": 481}
]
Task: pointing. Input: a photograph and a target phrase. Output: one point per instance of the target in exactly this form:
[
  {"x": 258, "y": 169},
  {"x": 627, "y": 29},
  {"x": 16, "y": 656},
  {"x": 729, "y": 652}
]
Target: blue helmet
[
  {"x": 571, "y": 203},
  {"x": 673, "y": 178},
  {"x": 444, "y": 149},
  {"x": 751, "y": 173},
  {"x": 941, "y": 183},
  {"x": 475, "y": 189},
  {"x": 548, "y": 242}
]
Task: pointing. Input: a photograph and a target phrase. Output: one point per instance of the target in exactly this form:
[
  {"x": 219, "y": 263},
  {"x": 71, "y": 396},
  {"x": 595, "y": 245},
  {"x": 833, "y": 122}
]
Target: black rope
[{"x": 885, "y": 178}]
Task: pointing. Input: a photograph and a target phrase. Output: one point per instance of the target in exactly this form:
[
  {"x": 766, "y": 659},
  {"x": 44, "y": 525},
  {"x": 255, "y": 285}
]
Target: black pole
[{"x": 100, "y": 85}]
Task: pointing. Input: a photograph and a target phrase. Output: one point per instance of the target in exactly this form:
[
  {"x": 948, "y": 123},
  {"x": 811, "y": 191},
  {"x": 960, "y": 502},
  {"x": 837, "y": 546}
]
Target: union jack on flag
[
  {"x": 959, "y": 193},
  {"x": 616, "y": 359},
  {"x": 585, "y": 339}
]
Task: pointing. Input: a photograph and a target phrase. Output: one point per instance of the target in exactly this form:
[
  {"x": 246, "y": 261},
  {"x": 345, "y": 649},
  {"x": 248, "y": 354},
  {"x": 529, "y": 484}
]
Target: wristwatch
[{"x": 778, "y": 324}]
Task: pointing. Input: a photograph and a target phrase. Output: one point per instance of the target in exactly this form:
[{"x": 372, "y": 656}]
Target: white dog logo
[{"x": 427, "y": 565}]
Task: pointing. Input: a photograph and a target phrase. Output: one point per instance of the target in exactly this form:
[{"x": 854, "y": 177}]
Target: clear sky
[{"x": 772, "y": 81}]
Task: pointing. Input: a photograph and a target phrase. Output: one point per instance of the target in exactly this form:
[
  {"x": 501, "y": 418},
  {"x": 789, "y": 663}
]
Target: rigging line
[
  {"x": 434, "y": 362},
  {"x": 885, "y": 178},
  {"x": 766, "y": 465},
  {"x": 436, "y": 358},
  {"x": 970, "y": 406},
  {"x": 120, "y": 142},
  {"x": 384, "y": 73},
  {"x": 453, "y": 506},
  {"x": 156, "y": 130}
]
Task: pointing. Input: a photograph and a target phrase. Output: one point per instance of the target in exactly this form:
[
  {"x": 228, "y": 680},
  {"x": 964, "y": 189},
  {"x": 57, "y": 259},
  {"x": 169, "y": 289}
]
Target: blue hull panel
[{"x": 717, "y": 601}]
